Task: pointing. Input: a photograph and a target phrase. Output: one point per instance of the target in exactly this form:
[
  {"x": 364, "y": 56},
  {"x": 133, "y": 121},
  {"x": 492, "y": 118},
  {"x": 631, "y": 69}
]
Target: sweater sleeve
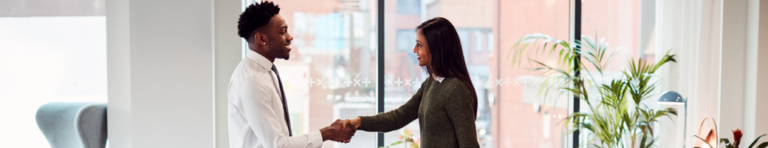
[
  {"x": 395, "y": 119},
  {"x": 461, "y": 111}
]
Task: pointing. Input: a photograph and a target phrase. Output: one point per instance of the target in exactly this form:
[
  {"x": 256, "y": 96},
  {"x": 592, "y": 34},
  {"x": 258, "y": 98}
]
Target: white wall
[
  {"x": 228, "y": 51},
  {"x": 743, "y": 91},
  {"x": 761, "y": 97},
  {"x": 733, "y": 64},
  {"x": 753, "y": 19},
  {"x": 119, "y": 123},
  {"x": 161, "y": 72},
  {"x": 171, "y": 73}
]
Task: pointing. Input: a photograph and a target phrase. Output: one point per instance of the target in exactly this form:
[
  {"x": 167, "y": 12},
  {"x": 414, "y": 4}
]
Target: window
[
  {"x": 619, "y": 24},
  {"x": 50, "y": 51},
  {"x": 409, "y": 7},
  {"x": 405, "y": 40}
]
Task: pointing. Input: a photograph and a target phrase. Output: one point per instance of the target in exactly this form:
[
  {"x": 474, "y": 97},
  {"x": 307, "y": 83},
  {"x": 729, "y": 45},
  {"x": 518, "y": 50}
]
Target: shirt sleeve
[
  {"x": 461, "y": 111},
  {"x": 395, "y": 119},
  {"x": 256, "y": 107}
]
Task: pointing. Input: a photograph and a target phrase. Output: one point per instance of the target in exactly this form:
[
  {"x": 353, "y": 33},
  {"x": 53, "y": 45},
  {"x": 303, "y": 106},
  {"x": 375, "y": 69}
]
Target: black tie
[{"x": 282, "y": 96}]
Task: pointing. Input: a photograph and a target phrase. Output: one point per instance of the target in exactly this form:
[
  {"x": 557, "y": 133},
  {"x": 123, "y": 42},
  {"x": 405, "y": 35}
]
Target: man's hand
[
  {"x": 350, "y": 123},
  {"x": 334, "y": 132}
]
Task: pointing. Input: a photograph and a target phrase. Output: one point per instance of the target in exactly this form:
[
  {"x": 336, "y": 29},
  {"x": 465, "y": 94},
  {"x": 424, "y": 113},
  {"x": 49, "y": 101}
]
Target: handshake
[{"x": 341, "y": 130}]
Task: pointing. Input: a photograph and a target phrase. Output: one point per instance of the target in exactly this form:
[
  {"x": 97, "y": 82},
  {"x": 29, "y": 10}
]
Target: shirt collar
[
  {"x": 439, "y": 79},
  {"x": 259, "y": 59}
]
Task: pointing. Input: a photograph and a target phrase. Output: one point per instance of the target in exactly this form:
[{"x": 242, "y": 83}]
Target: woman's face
[{"x": 422, "y": 50}]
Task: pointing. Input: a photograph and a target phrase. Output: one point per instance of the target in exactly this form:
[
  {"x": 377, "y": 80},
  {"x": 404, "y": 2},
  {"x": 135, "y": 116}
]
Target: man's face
[{"x": 279, "y": 45}]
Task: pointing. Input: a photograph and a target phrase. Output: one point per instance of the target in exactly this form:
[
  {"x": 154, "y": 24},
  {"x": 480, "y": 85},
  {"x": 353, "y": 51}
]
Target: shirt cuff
[{"x": 316, "y": 138}]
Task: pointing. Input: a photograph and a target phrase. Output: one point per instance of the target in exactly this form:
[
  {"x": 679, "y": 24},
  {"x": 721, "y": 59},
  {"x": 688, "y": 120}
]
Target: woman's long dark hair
[{"x": 445, "y": 49}]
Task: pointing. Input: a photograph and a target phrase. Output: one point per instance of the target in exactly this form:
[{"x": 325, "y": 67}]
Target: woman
[{"x": 446, "y": 103}]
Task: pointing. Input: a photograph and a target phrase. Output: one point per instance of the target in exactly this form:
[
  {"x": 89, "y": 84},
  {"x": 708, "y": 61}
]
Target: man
[{"x": 258, "y": 113}]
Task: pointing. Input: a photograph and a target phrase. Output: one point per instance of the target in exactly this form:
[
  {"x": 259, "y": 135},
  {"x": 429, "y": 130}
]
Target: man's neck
[{"x": 264, "y": 54}]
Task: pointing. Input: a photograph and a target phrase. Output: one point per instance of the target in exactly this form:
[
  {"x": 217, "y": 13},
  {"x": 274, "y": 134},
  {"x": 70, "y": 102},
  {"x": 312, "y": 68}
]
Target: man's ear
[{"x": 260, "y": 38}]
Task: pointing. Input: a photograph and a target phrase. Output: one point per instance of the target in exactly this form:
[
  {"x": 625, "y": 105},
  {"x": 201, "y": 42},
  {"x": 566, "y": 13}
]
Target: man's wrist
[{"x": 326, "y": 133}]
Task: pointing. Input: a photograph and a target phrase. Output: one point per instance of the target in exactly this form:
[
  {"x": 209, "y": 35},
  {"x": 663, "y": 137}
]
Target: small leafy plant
[{"x": 737, "y": 134}]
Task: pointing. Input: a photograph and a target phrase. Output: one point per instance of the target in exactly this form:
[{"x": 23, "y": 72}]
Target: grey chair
[{"x": 74, "y": 125}]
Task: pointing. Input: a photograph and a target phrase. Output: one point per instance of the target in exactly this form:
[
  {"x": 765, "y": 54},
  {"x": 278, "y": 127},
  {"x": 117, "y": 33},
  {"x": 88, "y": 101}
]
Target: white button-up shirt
[{"x": 255, "y": 114}]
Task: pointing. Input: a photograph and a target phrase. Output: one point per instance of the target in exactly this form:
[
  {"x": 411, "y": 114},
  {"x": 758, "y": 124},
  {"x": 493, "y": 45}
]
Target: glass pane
[
  {"x": 624, "y": 28},
  {"x": 619, "y": 24},
  {"x": 50, "y": 51},
  {"x": 332, "y": 70},
  {"x": 510, "y": 111}
]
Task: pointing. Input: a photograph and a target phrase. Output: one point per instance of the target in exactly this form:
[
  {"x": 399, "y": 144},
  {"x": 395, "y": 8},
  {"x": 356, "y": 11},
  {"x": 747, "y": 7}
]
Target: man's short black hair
[{"x": 254, "y": 17}]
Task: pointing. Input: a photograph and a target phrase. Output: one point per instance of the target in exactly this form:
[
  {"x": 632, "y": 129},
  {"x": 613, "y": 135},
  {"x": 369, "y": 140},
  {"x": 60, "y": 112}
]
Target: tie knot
[{"x": 274, "y": 68}]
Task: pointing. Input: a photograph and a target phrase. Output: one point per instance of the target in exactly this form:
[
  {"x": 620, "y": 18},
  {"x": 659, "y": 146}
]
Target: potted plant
[
  {"x": 616, "y": 117},
  {"x": 737, "y": 140}
]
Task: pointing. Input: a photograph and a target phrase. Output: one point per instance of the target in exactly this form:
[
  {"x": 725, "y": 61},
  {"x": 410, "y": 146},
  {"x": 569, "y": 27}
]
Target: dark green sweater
[{"x": 446, "y": 112}]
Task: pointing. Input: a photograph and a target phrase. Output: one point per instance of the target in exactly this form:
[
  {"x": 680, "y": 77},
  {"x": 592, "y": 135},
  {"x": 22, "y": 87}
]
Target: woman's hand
[{"x": 354, "y": 122}]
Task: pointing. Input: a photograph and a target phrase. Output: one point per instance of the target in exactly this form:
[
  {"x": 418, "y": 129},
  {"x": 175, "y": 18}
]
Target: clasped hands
[{"x": 341, "y": 130}]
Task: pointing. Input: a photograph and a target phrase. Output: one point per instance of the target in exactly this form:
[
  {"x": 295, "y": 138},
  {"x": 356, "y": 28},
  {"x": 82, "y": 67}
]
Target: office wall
[
  {"x": 160, "y": 73},
  {"x": 761, "y": 97},
  {"x": 228, "y": 53},
  {"x": 171, "y": 73},
  {"x": 733, "y": 66},
  {"x": 742, "y": 90},
  {"x": 119, "y": 123},
  {"x": 749, "y": 109}
]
